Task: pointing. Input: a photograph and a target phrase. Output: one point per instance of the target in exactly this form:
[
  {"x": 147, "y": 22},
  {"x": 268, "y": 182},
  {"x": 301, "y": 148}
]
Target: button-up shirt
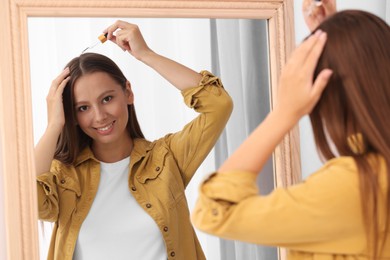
[
  {"x": 320, "y": 218},
  {"x": 158, "y": 175}
]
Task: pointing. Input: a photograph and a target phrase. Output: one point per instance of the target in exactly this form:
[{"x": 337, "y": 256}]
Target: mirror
[
  {"x": 21, "y": 221},
  {"x": 235, "y": 49}
]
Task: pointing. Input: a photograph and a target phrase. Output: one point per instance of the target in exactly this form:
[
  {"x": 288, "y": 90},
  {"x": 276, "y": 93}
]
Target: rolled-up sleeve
[
  {"x": 218, "y": 194},
  {"x": 191, "y": 145}
]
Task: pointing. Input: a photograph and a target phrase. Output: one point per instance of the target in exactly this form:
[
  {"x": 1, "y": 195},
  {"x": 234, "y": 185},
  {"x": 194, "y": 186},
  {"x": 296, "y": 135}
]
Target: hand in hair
[
  {"x": 45, "y": 148},
  {"x": 297, "y": 93},
  {"x": 55, "y": 109},
  {"x": 128, "y": 37},
  {"x": 314, "y": 15}
]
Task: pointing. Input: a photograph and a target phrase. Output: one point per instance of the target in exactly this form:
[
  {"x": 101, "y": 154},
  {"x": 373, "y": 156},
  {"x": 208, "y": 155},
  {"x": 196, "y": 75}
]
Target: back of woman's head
[
  {"x": 356, "y": 101},
  {"x": 357, "y": 98},
  {"x": 72, "y": 139}
]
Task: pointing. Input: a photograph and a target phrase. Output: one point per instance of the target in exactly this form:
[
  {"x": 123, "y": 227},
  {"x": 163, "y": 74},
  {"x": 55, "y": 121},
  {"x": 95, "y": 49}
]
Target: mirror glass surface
[{"x": 236, "y": 50}]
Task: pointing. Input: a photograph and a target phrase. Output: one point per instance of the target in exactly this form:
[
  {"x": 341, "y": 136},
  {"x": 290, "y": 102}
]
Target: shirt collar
[
  {"x": 141, "y": 147},
  {"x": 85, "y": 155}
]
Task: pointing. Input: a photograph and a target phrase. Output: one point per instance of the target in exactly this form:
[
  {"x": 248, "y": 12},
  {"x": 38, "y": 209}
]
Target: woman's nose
[{"x": 100, "y": 115}]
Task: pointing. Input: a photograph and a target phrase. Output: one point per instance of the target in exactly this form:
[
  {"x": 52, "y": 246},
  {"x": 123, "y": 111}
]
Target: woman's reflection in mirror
[{"x": 111, "y": 193}]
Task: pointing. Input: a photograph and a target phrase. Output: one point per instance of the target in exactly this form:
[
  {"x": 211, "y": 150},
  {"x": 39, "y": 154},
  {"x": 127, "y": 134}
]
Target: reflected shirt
[
  {"x": 320, "y": 218},
  {"x": 159, "y": 172},
  {"x": 116, "y": 223}
]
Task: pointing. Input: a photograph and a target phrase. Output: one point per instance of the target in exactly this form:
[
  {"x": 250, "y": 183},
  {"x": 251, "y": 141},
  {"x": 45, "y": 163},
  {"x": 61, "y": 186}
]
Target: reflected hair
[
  {"x": 72, "y": 139},
  {"x": 356, "y": 101}
]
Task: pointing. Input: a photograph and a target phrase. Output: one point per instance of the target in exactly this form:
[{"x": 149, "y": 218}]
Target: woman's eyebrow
[{"x": 99, "y": 97}]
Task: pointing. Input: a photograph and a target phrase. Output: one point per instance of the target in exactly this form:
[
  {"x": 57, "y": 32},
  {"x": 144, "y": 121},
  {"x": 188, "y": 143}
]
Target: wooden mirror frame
[{"x": 19, "y": 190}]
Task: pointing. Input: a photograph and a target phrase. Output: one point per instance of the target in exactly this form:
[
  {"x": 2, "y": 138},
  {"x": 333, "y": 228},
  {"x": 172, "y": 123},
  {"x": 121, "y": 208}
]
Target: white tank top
[{"x": 116, "y": 227}]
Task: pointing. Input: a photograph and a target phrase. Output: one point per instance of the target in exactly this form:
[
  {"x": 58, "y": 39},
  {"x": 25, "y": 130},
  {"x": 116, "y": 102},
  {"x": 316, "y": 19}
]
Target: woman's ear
[{"x": 129, "y": 93}]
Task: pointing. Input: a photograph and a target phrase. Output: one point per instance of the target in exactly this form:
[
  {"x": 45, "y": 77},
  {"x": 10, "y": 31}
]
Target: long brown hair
[
  {"x": 72, "y": 139},
  {"x": 357, "y": 101}
]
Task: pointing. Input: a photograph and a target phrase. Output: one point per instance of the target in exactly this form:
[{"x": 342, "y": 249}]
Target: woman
[
  {"x": 111, "y": 193},
  {"x": 342, "y": 211}
]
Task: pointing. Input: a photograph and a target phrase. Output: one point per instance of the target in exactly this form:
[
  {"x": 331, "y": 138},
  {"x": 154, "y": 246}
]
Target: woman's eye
[
  {"x": 107, "y": 99},
  {"x": 83, "y": 108}
]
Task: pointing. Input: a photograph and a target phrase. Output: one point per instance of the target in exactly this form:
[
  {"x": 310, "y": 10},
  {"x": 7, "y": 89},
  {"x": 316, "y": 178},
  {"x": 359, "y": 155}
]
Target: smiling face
[{"x": 101, "y": 109}]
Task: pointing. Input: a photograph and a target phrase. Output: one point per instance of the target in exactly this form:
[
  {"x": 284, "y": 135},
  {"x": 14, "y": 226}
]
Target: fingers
[
  {"x": 61, "y": 87},
  {"x": 314, "y": 14},
  {"x": 329, "y": 7},
  {"x": 305, "y": 5},
  {"x": 320, "y": 84},
  {"x": 119, "y": 24},
  {"x": 315, "y": 51},
  {"x": 301, "y": 53},
  {"x": 121, "y": 37},
  {"x": 123, "y": 40},
  {"x": 59, "y": 80},
  {"x": 306, "y": 57}
]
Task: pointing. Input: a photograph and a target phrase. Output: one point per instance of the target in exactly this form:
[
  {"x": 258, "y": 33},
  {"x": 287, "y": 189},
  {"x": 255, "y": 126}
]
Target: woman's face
[{"x": 101, "y": 108}]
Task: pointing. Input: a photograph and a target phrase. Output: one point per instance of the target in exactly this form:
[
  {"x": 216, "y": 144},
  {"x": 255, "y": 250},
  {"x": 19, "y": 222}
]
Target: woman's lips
[{"x": 105, "y": 129}]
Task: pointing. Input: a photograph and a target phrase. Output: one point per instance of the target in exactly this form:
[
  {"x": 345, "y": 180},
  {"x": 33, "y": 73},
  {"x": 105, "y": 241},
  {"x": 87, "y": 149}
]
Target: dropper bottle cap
[{"x": 103, "y": 38}]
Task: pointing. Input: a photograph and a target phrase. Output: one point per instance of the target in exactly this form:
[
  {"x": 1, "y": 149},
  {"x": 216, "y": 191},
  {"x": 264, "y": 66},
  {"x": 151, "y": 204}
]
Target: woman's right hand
[
  {"x": 314, "y": 15},
  {"x": 55, "y": 108},
  {"x": 128, "y": 37}
]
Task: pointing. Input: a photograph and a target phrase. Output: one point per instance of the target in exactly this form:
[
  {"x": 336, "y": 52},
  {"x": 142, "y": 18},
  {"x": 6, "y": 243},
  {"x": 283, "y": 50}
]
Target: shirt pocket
[
  {"x": 161, "y": 177},
  {"x": 68, "y": 194}
]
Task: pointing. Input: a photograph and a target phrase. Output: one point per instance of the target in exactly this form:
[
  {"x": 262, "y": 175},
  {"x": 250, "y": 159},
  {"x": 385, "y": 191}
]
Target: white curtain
[{"x": 245, "y": 72}]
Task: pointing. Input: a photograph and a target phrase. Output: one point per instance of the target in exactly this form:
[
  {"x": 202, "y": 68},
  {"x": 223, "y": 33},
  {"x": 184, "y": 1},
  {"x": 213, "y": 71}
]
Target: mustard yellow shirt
[
  {"x": 319, "y": 219},
  {"x": 159, "y": 172}
]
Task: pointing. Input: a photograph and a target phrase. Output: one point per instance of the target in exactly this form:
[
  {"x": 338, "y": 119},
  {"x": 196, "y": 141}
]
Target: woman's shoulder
[
  {"x": 343, "y": 162},
  {"x": 349, "y": 162},
  {"x": 341, "y": 168},
  {"x": 143, "y": 147},
  {"x": 346, "y": 166}
]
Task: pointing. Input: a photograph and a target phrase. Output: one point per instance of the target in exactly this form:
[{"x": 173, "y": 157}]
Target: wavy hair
[
  {"x": 72, "y": 139},
  {"x": 356, "y": 103}
]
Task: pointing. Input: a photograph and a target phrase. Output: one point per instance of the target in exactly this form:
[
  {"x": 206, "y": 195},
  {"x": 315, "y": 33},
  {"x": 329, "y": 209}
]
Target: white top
[{"x": 116, "y": 227}]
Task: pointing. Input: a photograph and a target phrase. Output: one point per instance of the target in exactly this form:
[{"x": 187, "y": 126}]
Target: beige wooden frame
[{"x": 15, "y": 97}]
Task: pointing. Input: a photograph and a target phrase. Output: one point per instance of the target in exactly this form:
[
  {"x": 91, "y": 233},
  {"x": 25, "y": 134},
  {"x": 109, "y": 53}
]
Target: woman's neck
[{"x": 113, "y": 152}]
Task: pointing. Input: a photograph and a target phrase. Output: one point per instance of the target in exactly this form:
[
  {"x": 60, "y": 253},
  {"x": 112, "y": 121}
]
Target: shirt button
[
  {"x": 63, "y": 181},
  {"x": 157, "y": 169},
  {"x": 148, "y": 205},
  {"x": 165, "y": 229},
  {"x": 214, "y": 212},
  {"x": 133, "y": 188},
  {"x": 173, "y": 253}
]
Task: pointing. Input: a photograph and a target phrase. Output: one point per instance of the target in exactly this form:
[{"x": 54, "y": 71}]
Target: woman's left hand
[
  {"x": 128, "y": 37},
  {"x": 297, "y": 94}
]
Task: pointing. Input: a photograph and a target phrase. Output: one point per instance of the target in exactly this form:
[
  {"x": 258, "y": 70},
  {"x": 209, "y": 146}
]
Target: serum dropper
[{"x": 101, "y": 39}]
